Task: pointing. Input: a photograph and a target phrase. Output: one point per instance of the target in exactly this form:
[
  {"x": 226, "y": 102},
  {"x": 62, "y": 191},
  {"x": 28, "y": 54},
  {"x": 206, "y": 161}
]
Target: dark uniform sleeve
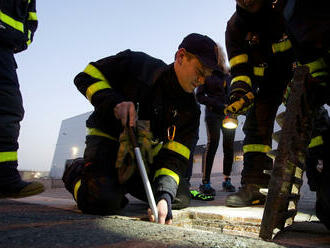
[
  {"x": 240, "y": 68},
  {"x": 114, "y": 79},
  {"x": 212, "y": 93},
  {"x": 18, "y": 23},
  {"x": 96, "y": 87},
  {"x": 172, "y": 161},
  {"x": 32, "y": 21}
]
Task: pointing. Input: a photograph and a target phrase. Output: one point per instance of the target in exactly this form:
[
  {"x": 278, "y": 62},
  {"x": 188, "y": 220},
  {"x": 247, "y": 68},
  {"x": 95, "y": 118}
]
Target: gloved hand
[
  {"x": 145, "y": 140},
  {"x": 125, "y": 163},
  {"x": 239, "y": 103}
]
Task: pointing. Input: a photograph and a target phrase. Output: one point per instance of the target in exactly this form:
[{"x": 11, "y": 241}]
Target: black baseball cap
[{"x": 203, "y": 47}]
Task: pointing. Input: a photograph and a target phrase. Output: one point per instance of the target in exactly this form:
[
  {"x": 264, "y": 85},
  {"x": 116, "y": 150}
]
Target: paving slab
[{"x": 53, "y": 218}]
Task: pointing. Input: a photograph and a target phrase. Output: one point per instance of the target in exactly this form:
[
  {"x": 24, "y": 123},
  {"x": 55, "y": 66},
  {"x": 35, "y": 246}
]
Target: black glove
[{"x": 239, "y": 104}]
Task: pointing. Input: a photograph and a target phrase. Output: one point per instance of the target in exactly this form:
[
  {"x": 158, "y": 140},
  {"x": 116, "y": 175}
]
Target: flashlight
[{"x": 230, "y": 121}]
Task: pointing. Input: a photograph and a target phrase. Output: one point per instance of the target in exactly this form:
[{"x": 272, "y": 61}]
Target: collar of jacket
[
  {"x": 170, "y": 84},
  {"x": 256, "y": 20}
]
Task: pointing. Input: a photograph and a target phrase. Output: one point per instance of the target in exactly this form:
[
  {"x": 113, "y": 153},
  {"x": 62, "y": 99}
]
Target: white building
[{"x": 71, "y": 144}]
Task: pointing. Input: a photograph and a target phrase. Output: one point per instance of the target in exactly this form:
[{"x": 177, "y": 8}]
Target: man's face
[
  {"x": 191, "y": 72},
  {"x": 251, "y": 6}
]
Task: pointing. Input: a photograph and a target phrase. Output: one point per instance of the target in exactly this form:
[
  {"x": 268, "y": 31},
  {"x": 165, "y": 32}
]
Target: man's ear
[{"x": 179, "y": 55}]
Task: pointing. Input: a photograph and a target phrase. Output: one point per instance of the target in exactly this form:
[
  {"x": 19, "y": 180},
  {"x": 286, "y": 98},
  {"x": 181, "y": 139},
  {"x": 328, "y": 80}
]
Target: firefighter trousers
[
  {"x": 11, "y": 113},
  {"x": 258, "y": 129},
  {"x": 93, "y": 181}
]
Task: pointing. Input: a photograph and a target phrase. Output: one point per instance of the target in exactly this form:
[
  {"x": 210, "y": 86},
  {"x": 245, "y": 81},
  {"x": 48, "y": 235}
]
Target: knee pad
[
  {"x": 99, "y": 194},
  {"x": 72, "y": 173}
]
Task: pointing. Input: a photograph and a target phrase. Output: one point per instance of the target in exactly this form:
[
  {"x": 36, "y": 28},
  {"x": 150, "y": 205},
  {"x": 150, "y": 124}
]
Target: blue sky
[{"x": 73, "y": 33}]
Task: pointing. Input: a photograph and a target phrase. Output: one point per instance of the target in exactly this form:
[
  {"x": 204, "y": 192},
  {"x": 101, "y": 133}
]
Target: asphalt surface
[{"x": 51, "y": 219}]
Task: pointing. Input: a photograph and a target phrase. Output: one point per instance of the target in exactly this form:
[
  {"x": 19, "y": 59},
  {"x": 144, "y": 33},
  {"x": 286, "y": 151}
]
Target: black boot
[
  {"x": 322, "y": 206},
  {"x": 12, "y": 186},
  {"x": 182, "y": 198},
  {"x": 248, "y": 195}
]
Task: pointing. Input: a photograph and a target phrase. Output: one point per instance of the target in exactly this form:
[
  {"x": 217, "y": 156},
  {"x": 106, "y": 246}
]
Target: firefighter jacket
[
  {"x": 259, "y": 51},
  {"x": 320, "y": 134},
  {"x": 214, "y": 93},
  {"x": 18, "y": 22},
  {"x": 154, "y": 89}
]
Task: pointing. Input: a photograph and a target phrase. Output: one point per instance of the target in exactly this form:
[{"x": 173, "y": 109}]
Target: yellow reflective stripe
[
  {"x": 102, "y": 84},
  {"x": 8, "y": 156},
  {"x": 33, "y": 16},
  {"x": 316, "y": 141},
  {"x": 11, "y": 22},
  {"x": 259, "y": 71},
  {"x": 94, "y": 72},
  {"x": 320, "y": 73},
  {"x": 245, "y": 79},
  {"x": 91, "y": 90},
  {"x": 76, "y": 188},
  {"x": 167, "y": 172},
  {"x": 97, "y": 132},
  {"x": 178, "y": 148},
  {"x": 29, "y": 38},
  {"x": 239, "y": 59},
  {"x": 256, "y": 148},
  {"x": 281, "y": 46},
  {"x": 316, "y": 65}
]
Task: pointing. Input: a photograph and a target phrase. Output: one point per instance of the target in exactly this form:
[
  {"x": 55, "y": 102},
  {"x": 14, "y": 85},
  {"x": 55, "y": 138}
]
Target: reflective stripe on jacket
[
  {"x": 18, "y": 22},
  {"x": 259, "y": 52}
]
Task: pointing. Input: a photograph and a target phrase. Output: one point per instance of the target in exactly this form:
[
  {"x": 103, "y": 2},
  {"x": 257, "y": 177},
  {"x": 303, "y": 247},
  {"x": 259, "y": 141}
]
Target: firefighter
[
  {"x": 135, "y": 86},
  {"x": 317, "y": 165},
  {"x": 18, "y": 22},
  {"x": 260, "y": 56},
  {"x": 214, "y": 95},
  {"x": 308, "y": 23}
]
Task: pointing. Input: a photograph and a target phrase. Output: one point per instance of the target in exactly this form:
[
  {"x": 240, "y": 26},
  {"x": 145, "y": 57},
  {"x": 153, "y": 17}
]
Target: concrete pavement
[{"x": 52, "y": 219}]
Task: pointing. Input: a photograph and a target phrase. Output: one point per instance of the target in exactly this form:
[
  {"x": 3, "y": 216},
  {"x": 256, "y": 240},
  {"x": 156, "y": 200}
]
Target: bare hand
[
  {"x": 162, "y": 213},
  {"x": 124, "y": 109}
]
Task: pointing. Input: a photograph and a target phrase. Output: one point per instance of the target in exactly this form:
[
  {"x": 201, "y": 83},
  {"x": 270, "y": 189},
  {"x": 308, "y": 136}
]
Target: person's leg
[
  {"x": 11, "y": 113},
  {"x": 258, "y": 129},
  {"x": 93, "y": 182},
  {"x": 322, "y": 205},
  {"x": 228, "y": 157},
  {"x": 213, "y": 135},
  {"x": 313, "y": 176}
]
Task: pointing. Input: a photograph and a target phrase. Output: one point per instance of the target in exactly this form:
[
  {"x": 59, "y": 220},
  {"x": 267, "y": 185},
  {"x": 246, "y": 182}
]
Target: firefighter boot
[
  {"x": 248, "y": 195},
  {"x": 182, "y": 198},
  {"x": 322, "y": 206},
  {"x": 12, "y": 186}
]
